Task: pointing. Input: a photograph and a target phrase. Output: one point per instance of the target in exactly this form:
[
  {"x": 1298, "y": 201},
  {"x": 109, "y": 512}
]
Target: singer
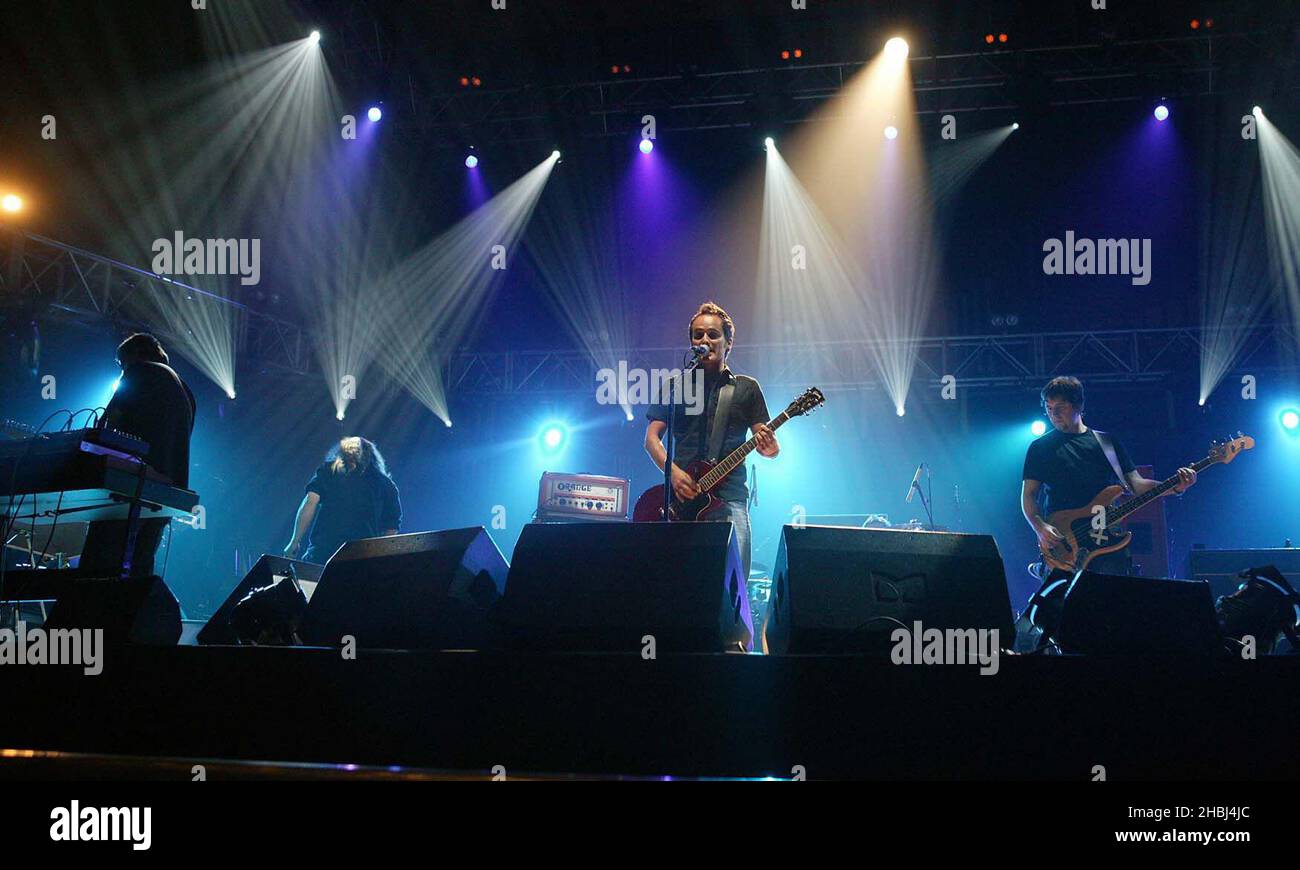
[{"x": 739, "y": 409}]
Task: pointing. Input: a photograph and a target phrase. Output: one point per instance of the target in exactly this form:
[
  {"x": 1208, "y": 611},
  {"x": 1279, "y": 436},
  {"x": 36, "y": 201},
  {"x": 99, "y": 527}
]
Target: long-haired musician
[{"x": 351, "y": 496}]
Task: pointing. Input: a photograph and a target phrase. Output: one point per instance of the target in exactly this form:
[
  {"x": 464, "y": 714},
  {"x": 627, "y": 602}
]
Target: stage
[{"x": 480, "y": 715}]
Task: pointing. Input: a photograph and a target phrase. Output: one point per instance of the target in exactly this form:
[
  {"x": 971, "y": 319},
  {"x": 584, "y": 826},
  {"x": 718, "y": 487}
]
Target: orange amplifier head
[{"x": 582, "y": 496}]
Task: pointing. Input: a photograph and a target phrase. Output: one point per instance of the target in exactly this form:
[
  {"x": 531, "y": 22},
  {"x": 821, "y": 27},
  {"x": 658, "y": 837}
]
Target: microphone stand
[
  {"x": 926, "y": 501},
  {"x": 687, "y": 368}
]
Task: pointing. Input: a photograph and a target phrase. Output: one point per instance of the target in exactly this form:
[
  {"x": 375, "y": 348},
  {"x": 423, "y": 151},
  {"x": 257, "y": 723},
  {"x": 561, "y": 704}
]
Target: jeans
[{"x": 737, "y": 513}]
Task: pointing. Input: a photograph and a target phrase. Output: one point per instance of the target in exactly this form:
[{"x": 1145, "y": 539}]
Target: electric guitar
[
  {"x": 1095, "y": 528},
  {"x": 650, "y": 506}
]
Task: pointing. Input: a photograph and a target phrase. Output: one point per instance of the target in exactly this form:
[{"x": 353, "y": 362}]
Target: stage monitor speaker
[
  {"x": 266, "y": 571},
  {"x": 134, "y": 610},
  {"x": 1220, "y": 568},
  {"x": 840, "y": 590},
  {"x": 1108, "y": 614},
  {"x": 427, "y": 590},
  {"x": 607, "y": 587}
]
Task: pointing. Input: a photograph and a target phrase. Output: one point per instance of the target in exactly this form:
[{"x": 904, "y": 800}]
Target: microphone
[
  {"x": 699, "y": 349},
  {"x": 915, "y": 482}
]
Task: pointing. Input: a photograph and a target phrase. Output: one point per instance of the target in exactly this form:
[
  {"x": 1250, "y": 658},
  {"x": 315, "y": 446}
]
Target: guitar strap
[
  {"x": 1108, "y": 447},
  {"x": 718, "y": 429}
]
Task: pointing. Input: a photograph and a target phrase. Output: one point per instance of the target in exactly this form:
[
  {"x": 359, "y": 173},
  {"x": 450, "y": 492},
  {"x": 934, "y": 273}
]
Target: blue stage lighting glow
[
  {"x": 646, "y": 146},
  {"x": 471, "y": 161},
  {"x": 553, "y": 437},
  {"x": 1038, "y": 427},
  {"x": 1162, "y": 112},
  {"x": 375, "y": 113},
  {"x": 1290, "y": 420}
]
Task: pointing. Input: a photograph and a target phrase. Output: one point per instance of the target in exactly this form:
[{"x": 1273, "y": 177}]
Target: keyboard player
[{"x": 154, "y": 404}]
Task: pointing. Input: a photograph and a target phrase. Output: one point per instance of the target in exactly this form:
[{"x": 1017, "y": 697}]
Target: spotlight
[
  {"x": 1290, "y": 420},
  {"x": 1195, "y": 24},
  {"x": 1038, "y": 427},
  {"x": 1257, "y": 112},
  {"x": 464, "y": 81},
  {"x": 1002, "y": 37},
  {"x": 314, "y": 38},
  {"x": 471, "y": 161},
  {"x": 12, "y": 203},
  {"x": 374, "y": 114},
  {"x": 1162, "y": 112},
  {"x": 476, "y": 81},
  {"x": 988, "y": 38},
  {"x": 556, "y": 154},
  {"x": 769, "y": 142},
  {"x": 798, "y": 53},
  {"x": 646, "y": 146},
  {"x": 900, "y": 410},
  {"x": 338, "y": 416},
  {"x": 896, "y": 48},
  {"x": 785, "y": 55},
  {"x": 891, "y": 132},
  {"x": 230, "y": 394},
  {"x": 552, "y": 438},
  {"x": 1015, "y": 126}
]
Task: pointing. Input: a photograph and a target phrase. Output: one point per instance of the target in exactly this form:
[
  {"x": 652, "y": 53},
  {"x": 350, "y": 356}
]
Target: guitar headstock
[
  {"x": 809, "y": 400},
  {"x": 1227, "y": 451}
]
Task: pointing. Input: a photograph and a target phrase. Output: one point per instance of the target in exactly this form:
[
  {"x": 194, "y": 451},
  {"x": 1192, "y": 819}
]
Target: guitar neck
[
  {"x": 715, "y": 474},
  {"x": 1163, "y": 488}
]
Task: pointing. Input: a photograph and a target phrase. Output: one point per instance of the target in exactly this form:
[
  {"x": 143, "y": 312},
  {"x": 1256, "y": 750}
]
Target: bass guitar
[{"x": 1094, "y": 529}]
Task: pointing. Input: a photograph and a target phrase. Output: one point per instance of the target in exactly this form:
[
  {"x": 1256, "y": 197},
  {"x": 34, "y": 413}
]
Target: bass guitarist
[
  {"x": 1068, "y": 467},
  {"x": 744, "y": 410}
]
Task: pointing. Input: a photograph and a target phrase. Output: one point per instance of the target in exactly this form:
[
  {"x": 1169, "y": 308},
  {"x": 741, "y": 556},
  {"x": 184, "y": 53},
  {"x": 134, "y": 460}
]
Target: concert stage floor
[{"x": 683, "y": 715}]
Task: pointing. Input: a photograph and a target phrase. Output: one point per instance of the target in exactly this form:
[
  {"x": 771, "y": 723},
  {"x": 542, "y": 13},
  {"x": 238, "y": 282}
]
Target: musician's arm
[
  {"x": 1029, "y": 504},
  {"x": 391, "y": 521},
  {"x": 302, "y": 522},
  {"x": 1138, "y": 483},
  {"x": 654, "y": 445}
]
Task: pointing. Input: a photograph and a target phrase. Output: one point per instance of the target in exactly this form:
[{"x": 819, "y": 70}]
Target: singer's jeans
[{"x": 737, "y": 512}]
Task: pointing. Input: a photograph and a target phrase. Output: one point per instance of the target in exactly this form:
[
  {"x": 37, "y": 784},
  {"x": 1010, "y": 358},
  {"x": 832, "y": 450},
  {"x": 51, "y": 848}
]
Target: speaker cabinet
[
  {"x": 1106, "y": 614},
  {"x": 268, "y": 569},
  {"x": 583, "y": 586},
  {"x": 427, "y": 590},
  {"x": 842, "y": 590}
]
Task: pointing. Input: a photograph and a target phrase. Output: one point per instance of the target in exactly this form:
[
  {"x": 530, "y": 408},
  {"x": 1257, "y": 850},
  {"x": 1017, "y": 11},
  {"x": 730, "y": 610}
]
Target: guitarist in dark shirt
[
  {"x": 1068, "y": 467},
  {"x": 747, "y": 413}
]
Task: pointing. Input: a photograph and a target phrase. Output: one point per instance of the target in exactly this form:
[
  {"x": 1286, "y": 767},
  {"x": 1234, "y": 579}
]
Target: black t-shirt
[
  {"x": 353, "y": 505},
  {"x": 154, "y": 404},
  {"x": 692, "y": 430},
  {"x": 1072, "y": 468}
]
